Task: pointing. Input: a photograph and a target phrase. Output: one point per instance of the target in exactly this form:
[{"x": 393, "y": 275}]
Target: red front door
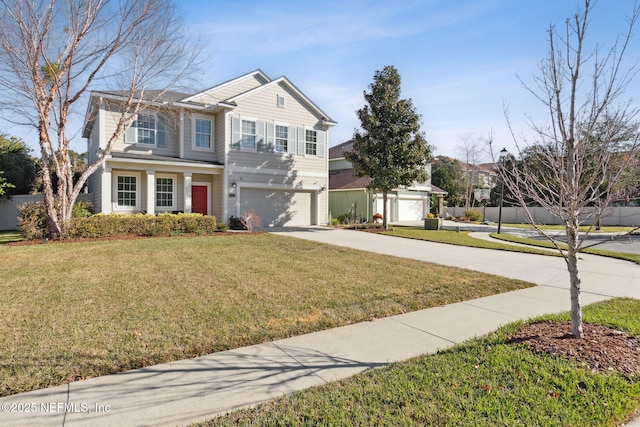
[{"x": 199, "y": 199}]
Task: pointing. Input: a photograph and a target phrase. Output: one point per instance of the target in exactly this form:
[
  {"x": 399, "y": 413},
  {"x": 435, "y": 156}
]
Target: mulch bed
[{"x": 602, "y": 349}]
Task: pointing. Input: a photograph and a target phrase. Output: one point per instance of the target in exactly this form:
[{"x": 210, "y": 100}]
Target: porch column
[
  {"x": 187, "y": 193},
  {"x": 151, "y": 193},
  {"x": 106, "y": 204}
]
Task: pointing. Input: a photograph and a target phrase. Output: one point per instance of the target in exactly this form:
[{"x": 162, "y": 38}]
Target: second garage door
[
  {"x": 279, "y": 208},
  {"x": 410, "y": 209}
]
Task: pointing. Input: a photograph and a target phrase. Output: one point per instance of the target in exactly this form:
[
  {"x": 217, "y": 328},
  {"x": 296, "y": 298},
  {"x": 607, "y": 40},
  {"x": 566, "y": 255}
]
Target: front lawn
[
  {"x": 481, "y": 382},
  {"x": 460, "y": 238},
  {"x": 80, "y": 310}
]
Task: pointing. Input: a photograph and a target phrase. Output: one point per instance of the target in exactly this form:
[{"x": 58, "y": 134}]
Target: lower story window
[
  {"x": 164, "y": 192},
  {"x": 127, "y": 190}
]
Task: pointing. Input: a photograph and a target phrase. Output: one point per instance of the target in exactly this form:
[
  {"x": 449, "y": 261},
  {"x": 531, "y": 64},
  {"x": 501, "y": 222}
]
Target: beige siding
[
  {"x": 202, "y": 155},
  {"x": 262, "y": 105},
  {"x": 231, "y": 90}
]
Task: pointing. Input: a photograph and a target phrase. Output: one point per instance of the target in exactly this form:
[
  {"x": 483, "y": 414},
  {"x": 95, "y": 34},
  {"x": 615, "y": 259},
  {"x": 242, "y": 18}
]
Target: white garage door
[
  {"x": 278, "y": 208},
  {"x": 410, "y": 209}
]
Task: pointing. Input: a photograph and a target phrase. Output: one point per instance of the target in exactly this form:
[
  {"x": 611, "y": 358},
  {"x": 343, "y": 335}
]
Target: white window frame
[
  {"x": 315, "y": 143},
  {"x": 132, "y": 134},
  {"x": 174, "y": 192},
  {"x": 280, "y": 101},
  {"x": 194, "y": 119},
  {"x": 255, "y": 134},
  {"x": 114, "y": 193},
  {"x": 275, "y": 137}
]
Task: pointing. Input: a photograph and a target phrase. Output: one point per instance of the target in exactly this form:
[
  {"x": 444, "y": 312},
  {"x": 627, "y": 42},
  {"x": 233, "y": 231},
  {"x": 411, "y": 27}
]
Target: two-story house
[{"x": 249, "y": 143}]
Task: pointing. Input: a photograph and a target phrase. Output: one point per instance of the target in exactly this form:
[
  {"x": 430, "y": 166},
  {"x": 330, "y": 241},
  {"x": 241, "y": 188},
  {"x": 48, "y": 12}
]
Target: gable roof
[{"x": 258, "y": 74}]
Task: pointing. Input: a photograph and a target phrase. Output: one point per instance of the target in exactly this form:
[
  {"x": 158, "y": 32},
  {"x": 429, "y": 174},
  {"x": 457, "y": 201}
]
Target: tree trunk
[
  {"x": 574, "y": 280},
  {"x": 385, "y": 223}
]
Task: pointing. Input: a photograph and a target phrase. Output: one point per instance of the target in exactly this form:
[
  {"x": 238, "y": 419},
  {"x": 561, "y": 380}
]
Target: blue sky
[{"x": 459, "y": 60}]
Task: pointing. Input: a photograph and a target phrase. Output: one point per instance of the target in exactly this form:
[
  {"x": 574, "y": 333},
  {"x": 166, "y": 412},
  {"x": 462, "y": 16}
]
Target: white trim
[
  {"x": 285, "y": 125},
  {"x": 194, "y": 117},
  {"x": 255, "y": 121},
  {"x": 285, "y": 172},
  {"x": 181, "y": 136},
  {"x": 306, "y": 128},
  {"x": 151, "y": 192},
  {"x": 114, "y": 191},
  {"x": 179, "y": 166},
  {"x": 174, "y": 196},
  {"x": 209, "y": 196}
]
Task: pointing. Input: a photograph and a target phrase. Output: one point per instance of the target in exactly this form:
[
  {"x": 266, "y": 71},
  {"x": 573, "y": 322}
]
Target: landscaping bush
[
  {"x": 472, "y": 215},
  {"x": 235, "y": 223},
  {"x": 82, "y": 210},
  {"x": 32, "y": 220},
  {"x": 140, "y": 225}
]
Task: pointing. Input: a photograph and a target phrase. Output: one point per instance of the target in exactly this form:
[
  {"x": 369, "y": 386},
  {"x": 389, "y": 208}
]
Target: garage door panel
[
  {"x": 278, "y": 208},
  {"x": 411, "y": 209}
]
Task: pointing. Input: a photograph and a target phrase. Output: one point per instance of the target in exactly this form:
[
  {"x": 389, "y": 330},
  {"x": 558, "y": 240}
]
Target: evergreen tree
[{"x": 390, "y": 149}]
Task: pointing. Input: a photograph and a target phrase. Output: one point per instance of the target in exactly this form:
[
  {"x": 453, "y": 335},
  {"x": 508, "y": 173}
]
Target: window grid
[
  {"x": 164, "y": 192},
  {"x": 127, "y": 188},
  {"x": 146, "y": 129},
  {"x": 203, "y": 133},
  {"x": 248, "y": 134},
  {"x": 311, "y": 141},
  {"x": 282, "y": 136}
]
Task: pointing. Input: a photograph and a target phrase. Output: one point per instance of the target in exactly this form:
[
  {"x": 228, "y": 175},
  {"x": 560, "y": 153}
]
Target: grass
[
  {"x": 80, "y": 310},
  {"x": 583, "y": 228},
  {"x": 460, "y": 238},
  {"x": 481, "y": 382},
  {"x": 547, "y": 244}
]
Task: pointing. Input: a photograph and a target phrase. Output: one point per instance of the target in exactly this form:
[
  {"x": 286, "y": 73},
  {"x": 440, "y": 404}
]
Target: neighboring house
[
  {"x": 249, "y": 143},
  {"x": 348, "y": 193},
  {"x": 483, "y": 175}
]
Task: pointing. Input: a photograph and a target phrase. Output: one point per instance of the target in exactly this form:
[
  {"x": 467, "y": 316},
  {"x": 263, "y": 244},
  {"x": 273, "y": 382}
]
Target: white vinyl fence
[
  {"x": 9, "y": 208},
  {"x": 623, "y": 216}
]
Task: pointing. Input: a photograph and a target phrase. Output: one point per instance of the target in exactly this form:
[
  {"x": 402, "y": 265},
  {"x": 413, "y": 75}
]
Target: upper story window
[
  {"x": 281, "y": 138},
  {"x": 147, "y": 129},
  {"x": 248, "y": 139},
  {"x": 202, "y": 132},
  {"x": 310, "y": 142}
]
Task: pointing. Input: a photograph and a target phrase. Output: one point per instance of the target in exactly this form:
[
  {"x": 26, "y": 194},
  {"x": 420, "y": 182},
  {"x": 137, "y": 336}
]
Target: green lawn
[
  {"x": 460, "y": 238},
  {"x": 547, "y": 244},
  {"x": 80, "y": 310},
  {"x": 481, "y": 382}
]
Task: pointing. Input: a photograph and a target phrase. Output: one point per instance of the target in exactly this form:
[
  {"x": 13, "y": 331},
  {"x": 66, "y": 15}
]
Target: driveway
[{"x": 600, "y": 276}]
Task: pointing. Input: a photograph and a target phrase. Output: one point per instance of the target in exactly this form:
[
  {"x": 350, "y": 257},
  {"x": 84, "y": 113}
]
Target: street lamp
[{"x": 503, "y": 157}]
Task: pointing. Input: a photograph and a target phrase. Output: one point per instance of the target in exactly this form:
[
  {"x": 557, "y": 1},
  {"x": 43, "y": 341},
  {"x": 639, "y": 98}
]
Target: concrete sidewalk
[{"x": 194, "y": 390}]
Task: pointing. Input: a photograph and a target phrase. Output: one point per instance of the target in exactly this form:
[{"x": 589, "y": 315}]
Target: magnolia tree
[
  {"x": 390, "y": 149},
  {"x": 53, "y": 52},
  {"x": 575, "y": 167}
]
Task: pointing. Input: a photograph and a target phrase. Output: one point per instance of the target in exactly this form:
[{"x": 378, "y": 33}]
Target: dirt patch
[{"x": 602, "y": 349}]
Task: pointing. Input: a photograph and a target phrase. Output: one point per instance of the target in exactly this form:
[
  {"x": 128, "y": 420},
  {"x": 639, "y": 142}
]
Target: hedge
[{"x": 140, "y": 225}]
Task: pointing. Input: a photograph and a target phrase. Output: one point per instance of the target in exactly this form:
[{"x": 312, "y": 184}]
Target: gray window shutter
[
  {"x": 291, "y": 140},
  {"x": 235, "y": 132},
  {"x": 320, "y": 143},
  {"x": 270, "y": 136},
  {"x": 260, "y": 137},
  {"x": 161, "y": 134},
  {"x": 130, "y": 134},
  {"x": 301, "y": 140}
]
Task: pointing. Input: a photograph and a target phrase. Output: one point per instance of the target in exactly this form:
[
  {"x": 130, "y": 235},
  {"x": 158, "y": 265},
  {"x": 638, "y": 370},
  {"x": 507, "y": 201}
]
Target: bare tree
[
  {"x": 471, "y": 151},
  {"x": 590, "y": 144},
  {"x": 52, "y": 53}
]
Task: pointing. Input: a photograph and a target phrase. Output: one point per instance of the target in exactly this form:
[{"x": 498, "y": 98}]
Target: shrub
[
  {"x": 82, "y": 210},
  {"x": 472, "y": 215},
  {"x": 251, "y": 220},
  {"x": 345, "y": 218},
  {"x": 235, "y": 223},
  {"x": 32, "y": 220},
  {"x": 140, "y": 225}
]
